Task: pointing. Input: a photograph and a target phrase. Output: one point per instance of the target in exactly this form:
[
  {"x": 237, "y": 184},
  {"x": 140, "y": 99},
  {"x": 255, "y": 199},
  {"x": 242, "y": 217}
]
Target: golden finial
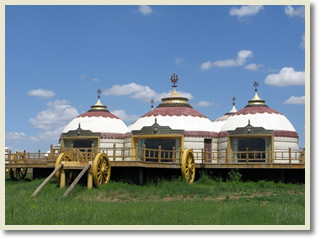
[
  {"x": 256, "y": 100},
  {"x": 174, "y": 80}
]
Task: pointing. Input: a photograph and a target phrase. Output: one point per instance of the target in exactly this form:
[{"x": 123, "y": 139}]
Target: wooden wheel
[
  {"x": 188, "y": 166},
  {"x": 17, "y": 173},
  {"x": 60, "y": 158},
  {"x": 101, "y": 169}
]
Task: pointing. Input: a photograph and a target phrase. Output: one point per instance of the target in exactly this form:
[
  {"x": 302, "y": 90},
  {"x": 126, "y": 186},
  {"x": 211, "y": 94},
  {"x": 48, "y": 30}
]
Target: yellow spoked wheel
[
  {"x": 17, "y": 173},
  {"x": 188, "y": 166},
  {"x": 60, "y": 158},
  {"x": 101, "y": 169}
]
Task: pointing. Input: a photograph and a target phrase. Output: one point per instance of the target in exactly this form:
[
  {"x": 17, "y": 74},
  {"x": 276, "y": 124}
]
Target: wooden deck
[{"x": 157, "y": 158}]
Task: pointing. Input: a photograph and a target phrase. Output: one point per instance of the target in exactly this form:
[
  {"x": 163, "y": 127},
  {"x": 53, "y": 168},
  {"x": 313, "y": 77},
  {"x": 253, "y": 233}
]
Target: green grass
[{"x": 206, "y": 202}]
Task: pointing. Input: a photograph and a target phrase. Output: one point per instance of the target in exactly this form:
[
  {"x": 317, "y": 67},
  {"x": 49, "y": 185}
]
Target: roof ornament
[
  {"x": 256, "y": 100},
  {"x": 98, "y": 93},
  {"x": 174, "y": 80},
  {"x": 233, "y": 99},
  {"x": 255, "y": 84},
  {"x": 152, "y": 102}
]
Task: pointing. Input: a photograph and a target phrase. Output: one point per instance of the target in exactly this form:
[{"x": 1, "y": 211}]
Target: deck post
[
  {"x": 144, "y": 153},
  {"x": 136, "y": 151},
  {"x": 173, "y": 154},
  {"x": 206, "y": 157},
  {"x": 247, "y": 156},
  {"x": 159, "y": 153},
  {"x": 39, "y": 155},
  {"x": 202, "y": 155},
  {"x": 289, "y": 155},
  {"x": 28, "y": 157},
  {"x": 141, "y": 176},
  {"x": 24, "y": 155},
  {"x": 114, "y": 152},
  {"x": 226, "y": 156}
]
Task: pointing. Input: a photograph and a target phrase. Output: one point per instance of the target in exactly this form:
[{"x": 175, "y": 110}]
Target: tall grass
[{"x": 208, "y": 201}]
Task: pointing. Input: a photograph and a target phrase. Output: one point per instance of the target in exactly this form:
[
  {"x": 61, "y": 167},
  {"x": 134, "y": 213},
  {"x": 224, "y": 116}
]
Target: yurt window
[
  {"x": 80, "y": 143},
  {"x": 152, "y": 147},
  {"x": 256, "y": 147}
]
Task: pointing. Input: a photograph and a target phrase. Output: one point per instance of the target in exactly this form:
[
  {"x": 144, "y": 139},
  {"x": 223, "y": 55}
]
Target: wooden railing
[{"x": 160, "y": 156}]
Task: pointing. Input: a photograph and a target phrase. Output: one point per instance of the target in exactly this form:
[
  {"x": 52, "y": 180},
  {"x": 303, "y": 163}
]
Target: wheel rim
[
  {"x": 17, "y": 173},
  {"x": 188, "y": 166},
  {"x": 101, "y": 169}
]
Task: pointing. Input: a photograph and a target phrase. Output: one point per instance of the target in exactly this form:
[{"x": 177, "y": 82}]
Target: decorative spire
[
  {"x": 233, "y": 110},
  {"x": 255, "y": 84},
  {"x": 98, "y": 93},
  {"x": 98, "y": 105},
  {"x": 174, "y": 80},
  {"x": 233, "y": 99},
  {"x": 256, "y": 100},
  {"x": 174, "y": 99},
  {"x": 152, "y": 102}
]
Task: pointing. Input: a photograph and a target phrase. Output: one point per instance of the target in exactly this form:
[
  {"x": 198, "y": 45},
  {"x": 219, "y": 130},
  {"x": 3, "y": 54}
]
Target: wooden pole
[
  {"x": 90, "y": 177},
  {"x": 47, "y": 180},
  {"x": 76, "y": 180},
  {"x": 114, "y": 151},
  {"x": 159, "y": 153},
  {"x": 173, "y": 154},
  {"x": 226, "y": 156},
  {"x": 247, "y": 155},
  {"x": 144, "y": 157},
  {"x": 289, "y": 154}
]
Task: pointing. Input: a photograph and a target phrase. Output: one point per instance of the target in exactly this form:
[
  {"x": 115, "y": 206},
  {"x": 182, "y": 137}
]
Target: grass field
[{"x": 206, "y": 202}]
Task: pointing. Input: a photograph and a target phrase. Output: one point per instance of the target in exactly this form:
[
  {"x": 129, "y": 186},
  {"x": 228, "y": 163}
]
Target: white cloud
[
  {"x": 241, "y": 58},
  {"x": 136, "y": 91},
  {"x": 41, "y": 93},
  {"x": 295, "y": 12},
  {"x": 205, "y": 104},
  {"x": 286, "y": 77},
  {"x": 127, "y": 118},
  {"x": 95, "y": 79},
  {"x": 253, "y": 67},
  {"x": 206, "y": 65},
  {"x": 52, "y": 120},
  {"x": 245, "y": 11},
  {"x": 16, "y": 136},
  {"x": 302, "y": 42},
  {"x": 145, "y": 10},
  {"x": 179, "y": 61},
  {"x": 295, "y": 100}
]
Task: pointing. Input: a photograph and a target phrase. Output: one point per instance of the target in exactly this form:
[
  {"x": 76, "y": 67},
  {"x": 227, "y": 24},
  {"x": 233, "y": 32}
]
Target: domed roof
[
  {"x": 219, "y": 122},
  {"x": 258, "y": 114},
  {"x": 175, "y": 112},
  {"x": 97, "y": 119}
]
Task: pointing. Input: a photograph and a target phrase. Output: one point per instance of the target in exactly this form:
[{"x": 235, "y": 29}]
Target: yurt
[
  {"x": 174, "y": 125},
  {"x": 258, "y": 133},
  {"x": 95, "y": 128}
]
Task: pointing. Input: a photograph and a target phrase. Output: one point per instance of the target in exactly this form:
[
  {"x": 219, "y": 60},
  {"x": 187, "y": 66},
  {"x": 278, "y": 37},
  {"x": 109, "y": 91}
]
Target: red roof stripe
[
  {"x": 174, "y": 111},
  {"x": 254, "y": 110},
  {"x": 98, "y": 114}
]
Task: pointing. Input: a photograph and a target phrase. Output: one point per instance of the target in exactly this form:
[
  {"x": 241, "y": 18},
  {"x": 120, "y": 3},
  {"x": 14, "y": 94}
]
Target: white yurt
[
  {"x": 174, "y": 124},
  {"x": 259, "y": 130},
  {"x": 96, "y": 127}
]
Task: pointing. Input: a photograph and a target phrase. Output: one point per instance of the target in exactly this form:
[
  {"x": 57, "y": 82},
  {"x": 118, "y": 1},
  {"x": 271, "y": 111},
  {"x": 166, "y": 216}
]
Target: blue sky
[{"x": 58, "y": 56}]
